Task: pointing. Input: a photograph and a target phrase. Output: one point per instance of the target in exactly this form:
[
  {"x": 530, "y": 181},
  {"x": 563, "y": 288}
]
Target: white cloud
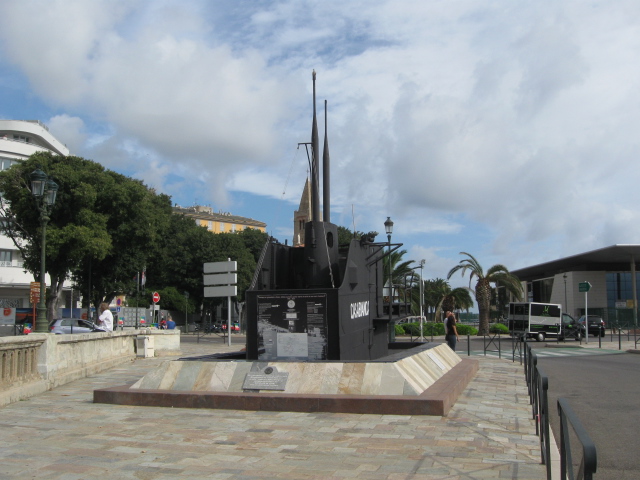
[
  {"x": 507, "y": 129},
  {"x": 72, "y": 129}
]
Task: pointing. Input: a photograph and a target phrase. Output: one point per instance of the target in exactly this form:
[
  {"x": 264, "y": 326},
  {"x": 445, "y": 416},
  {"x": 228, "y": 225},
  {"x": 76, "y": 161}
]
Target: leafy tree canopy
[{"x": 104, "y": 228}]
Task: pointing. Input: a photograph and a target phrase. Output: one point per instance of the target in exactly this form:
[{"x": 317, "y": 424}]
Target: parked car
[
  {"x": 596, "y": 325},
  {"x": 571, "y": 328},
  {"x": 235, "y": 327},
  {"x": 73, "y": 325}
]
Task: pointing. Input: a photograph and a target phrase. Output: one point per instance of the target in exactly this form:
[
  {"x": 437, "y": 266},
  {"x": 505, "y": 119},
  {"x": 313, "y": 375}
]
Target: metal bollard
[{"x": 619, "y": 340}]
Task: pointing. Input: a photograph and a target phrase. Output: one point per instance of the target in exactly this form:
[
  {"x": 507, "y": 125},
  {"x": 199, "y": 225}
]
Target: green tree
[
  {"x": 434, "y": 291},
  {"x": 401, "y": 271},
  {"x": 137, "y": 218},
  {"x": 345, "y": 235},
  {"x": 231, "y": 245},
  {"x": 497, "y": 274},
  {"x": 173, "y": 299},
  {"x": 101, "y": 229},
  {"x": 178, "y": 262},
  {"x": 254, "y": 240},
  {"x": 458, "y": 298}
]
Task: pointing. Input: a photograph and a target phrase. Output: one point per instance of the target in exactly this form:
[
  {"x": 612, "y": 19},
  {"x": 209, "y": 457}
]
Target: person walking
[{"x": 451, "y": 333}]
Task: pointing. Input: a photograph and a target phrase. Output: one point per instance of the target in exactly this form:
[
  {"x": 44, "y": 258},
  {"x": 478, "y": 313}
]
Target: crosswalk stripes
[{"x": 555, "y": 352}]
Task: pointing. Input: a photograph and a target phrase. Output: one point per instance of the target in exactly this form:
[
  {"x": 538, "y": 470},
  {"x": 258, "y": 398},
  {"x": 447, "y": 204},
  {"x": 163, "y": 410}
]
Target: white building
[{"x": 18, "y": 140}]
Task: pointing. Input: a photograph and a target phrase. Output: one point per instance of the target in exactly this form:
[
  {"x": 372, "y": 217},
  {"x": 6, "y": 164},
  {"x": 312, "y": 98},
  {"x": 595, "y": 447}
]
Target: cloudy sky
[{"x": 509, "y": 130}]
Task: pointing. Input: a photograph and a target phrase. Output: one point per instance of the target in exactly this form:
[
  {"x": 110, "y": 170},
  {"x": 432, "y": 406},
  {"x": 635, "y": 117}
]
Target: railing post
[
  {"x": 619, "y": 340},
  {"x": 589, "y": 462},
  {"x": 543, "y": 420}
]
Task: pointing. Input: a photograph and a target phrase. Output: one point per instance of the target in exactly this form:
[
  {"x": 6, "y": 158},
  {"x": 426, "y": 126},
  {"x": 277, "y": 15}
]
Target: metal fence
[
  {"x": 538, "y": 385},
  {"x": 589, "y": 460}
]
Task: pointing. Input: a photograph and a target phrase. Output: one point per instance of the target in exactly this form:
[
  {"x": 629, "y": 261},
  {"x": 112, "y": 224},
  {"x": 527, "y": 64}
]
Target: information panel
[{"x": 292, "y": 326}]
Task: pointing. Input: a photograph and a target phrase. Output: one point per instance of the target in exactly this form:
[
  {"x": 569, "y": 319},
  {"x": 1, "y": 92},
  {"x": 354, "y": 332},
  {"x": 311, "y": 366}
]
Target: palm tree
[
  {"x": 452, "y": 299},
  {"x": 399, "y": 269},
  {"x": 497, "y": 274},
  {"x": 434, "y": 291},
  {"x": 458, "y": 298}
]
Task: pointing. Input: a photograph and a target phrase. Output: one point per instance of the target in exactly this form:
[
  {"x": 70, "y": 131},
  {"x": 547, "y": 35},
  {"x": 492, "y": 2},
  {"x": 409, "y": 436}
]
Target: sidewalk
[{"x": 61, "y": 434}]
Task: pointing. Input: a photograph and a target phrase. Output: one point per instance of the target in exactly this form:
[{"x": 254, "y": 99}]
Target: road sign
[
  {"x": 156, "y": 297},
  {"x": 220, "y": 279},
  {"x": 584, "y": 287},
  {"x": 221, "y": 291},
  {"x": 35, "y": 292},
  {"x": 220, "y": 267}
]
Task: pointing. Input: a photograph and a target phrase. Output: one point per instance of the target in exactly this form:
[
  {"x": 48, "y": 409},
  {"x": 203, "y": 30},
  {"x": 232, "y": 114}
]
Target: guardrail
[
  {"x": 538, "y": 386},
  {"x": 542, "y": 423},
  {"x": 492, "y": 339},
  {"x": 589, "y": 461}
]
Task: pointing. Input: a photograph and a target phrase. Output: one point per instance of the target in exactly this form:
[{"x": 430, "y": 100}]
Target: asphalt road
[{"x": 604, "y": 392}]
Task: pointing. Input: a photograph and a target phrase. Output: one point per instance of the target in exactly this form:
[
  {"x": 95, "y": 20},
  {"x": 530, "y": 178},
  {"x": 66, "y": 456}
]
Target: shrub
[
  {"x": 435, "y": 329},
  {"x": 499, "y": 328},
  {"x": 466, "y": 329}
]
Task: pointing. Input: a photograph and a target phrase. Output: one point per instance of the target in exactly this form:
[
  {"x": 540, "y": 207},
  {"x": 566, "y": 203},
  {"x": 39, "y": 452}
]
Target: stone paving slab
[{"x": 61, "y": 434}]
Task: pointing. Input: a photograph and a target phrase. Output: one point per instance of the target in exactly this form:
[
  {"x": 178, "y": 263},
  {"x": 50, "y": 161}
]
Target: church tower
[{"x": 302, "y": 215}]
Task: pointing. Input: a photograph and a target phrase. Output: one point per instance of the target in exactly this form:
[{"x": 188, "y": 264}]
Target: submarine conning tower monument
[{"x": 319, "y": 301}]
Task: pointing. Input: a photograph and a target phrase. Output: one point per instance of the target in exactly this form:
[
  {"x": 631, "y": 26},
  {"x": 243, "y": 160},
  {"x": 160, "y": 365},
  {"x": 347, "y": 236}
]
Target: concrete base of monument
[{"x": 424, "y": 380}]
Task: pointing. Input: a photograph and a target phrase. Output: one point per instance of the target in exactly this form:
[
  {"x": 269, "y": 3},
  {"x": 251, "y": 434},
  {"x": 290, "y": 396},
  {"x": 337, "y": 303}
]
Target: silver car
[{"x": 73, "y": 325}]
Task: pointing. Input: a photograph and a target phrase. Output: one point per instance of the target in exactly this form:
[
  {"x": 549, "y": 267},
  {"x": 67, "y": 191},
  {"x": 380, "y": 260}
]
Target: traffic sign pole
[
  {"x": 586, "y": 316},
  {"x": 585, "y": 287},
  {"x": 221, "y": 274}
]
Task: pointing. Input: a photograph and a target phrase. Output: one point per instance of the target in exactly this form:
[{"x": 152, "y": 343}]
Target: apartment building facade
[
  {"x": 20, "y": 139},
  {"x": 218, "y": 222}
]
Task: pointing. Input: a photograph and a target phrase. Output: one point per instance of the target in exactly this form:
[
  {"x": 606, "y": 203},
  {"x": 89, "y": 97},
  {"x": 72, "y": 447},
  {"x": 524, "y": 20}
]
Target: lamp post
[
  {"x": 565, "y": 291},
  {"x": 186, "y": 318},
  {"x": 44, "y": 189},
  {"x": 388, "y": 228}
]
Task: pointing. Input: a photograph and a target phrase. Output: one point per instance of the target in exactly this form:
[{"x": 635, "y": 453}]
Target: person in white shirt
[{"x": 105, "y": 320}]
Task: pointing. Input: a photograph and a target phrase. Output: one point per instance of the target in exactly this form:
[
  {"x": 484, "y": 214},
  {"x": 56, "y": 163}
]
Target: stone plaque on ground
[{"x": 266, "y": 379}]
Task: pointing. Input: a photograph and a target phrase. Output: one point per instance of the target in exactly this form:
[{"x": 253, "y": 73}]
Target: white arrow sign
[
  {"x": 220, "y": 267},
  {"x": 220, "y": 279},
  {"x": 222, "y": 291}
]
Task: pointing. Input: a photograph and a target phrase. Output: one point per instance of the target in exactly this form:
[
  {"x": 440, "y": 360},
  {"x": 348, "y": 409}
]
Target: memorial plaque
[
  {"x": 292, "y": 326},
  {"x": 292, "y": 345},
  {"x": 266, "y": 379},
  {"x": 436, "y": 360}
]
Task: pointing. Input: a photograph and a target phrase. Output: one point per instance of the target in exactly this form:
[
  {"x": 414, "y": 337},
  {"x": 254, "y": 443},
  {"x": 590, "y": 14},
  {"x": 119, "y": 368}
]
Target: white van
[{"x": 540, "y": 321}]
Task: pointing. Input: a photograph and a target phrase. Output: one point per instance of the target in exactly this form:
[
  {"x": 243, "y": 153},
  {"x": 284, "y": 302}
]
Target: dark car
[
  {"x": 571, "y": 328},
  {"x": 596, "y": 325},
  {"x": 73, "y": 325}
]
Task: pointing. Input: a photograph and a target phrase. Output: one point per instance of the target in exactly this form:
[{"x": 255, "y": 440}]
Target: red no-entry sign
[{"x": 156, "y": 297}]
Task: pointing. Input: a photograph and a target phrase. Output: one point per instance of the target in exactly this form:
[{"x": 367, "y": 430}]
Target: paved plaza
[{"x": 61, "y": 434}]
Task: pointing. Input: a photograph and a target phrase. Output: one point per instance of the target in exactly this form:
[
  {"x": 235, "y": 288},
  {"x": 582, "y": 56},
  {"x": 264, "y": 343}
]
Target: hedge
[{"x": 435, "y": 329}]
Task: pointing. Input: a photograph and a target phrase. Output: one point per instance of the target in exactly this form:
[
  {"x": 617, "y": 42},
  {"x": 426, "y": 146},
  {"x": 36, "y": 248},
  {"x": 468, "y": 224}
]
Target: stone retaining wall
[{"x": 38, "y": 362}]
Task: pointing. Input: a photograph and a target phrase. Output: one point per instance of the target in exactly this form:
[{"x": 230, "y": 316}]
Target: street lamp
[
  {"x": 388, "y": 228},
  {"x": 44, "y": 189},
  {"x": 186, "y": 318}
]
